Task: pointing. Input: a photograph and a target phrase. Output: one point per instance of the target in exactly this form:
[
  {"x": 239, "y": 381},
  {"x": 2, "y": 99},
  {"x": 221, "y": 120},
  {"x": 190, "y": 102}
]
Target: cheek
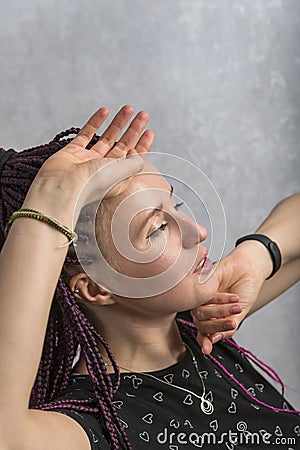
[
  {"x": 153, "y": 268},
  {"x": 160, "y": 265},
  {"x": 160, "y": 254},
  {"x": 146, "y": 270},
  {"x": 167, "y": 258},
  {"x": 190, "y": 294}
]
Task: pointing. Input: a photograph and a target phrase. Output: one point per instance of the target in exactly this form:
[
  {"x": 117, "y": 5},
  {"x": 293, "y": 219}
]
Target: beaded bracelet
[{"x": 34, "y": 214}]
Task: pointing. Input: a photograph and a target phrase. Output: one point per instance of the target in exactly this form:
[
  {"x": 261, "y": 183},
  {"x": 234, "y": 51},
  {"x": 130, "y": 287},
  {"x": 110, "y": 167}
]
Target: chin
[
  {"x": 205, "y": 291},
  {"x": 193, "y": 294}
]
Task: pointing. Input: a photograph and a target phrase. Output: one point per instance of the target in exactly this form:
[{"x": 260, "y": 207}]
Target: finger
[
  {"x": 108, "y": 138},
  {"x": 137, "y": 126},
  {"x": 89, "y": 129},
  {"x": 132, "y": 151},
  {"x": 145, "y": 143},
  {"x": 206, "y": 312},
  {"x": 205, "y": 343},
  {"x": 117, "y": 152},
  {"x": 215, "y": 325},
  {"x": 223, "y": 297},
  {"x": 129, "y": 139},
  {"x": 143, "y": 147},
  {"x": 216, "y": 337}
]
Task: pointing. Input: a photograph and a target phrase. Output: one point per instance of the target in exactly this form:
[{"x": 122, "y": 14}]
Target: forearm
[
  {"x": 286, "y": 277},
  {"x": 282, "y": 226},
  {"x": 30, "y": 264}
]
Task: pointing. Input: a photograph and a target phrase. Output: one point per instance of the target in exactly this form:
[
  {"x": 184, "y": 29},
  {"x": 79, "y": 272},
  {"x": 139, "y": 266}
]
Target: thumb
[
  {"x": 122, "y": 172},
  {"x": 105, "y": 173},
  {"x": 205, "y": 343}
]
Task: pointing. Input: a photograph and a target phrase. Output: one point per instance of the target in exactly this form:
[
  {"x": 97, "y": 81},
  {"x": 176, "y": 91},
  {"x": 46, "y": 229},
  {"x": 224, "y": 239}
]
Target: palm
[
  {"x": 238, "y": 276},
  {"x": 76, "y": 161}
]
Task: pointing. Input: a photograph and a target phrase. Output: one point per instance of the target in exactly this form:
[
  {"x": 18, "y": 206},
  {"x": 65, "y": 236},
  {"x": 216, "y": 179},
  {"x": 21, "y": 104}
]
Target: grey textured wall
[{"x": 220, "y": 80}]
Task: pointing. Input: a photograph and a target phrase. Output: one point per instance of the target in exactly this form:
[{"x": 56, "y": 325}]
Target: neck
[{"x": 139, "y": 346}]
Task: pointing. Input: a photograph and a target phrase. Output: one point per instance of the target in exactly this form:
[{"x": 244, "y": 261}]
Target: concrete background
[{"x": 220, "y": 80}]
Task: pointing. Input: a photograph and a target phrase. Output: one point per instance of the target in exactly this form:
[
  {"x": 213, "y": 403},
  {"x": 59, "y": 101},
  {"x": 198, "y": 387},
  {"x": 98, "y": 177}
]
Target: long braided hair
[{"x": 68, "y": 330}]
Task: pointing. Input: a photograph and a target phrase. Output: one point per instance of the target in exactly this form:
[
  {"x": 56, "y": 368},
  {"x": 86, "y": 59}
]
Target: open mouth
[
  {"x": 201, "y": 264},
  {"x": 204, "y": 266}
]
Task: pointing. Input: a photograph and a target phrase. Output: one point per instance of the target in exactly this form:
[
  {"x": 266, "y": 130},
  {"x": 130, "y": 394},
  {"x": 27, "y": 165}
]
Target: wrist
[
  {"x": 271, "y": 247},
  {"x": 57, "y": 201},
  {"x": 259, "y": 256}
]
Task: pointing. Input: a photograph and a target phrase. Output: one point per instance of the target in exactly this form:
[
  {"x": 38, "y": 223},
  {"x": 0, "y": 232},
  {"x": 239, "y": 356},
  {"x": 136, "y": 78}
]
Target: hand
[
  {"x": 74, "y": 157},
  {"x": 241, "y": 275},
  {"x": 70, "y": 168},
  {"x": 216, "y": 320}
]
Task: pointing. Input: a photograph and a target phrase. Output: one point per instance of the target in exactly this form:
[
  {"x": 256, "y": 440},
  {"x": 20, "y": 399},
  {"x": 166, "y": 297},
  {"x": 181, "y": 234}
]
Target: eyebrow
[{"x": 155, "y": 210}]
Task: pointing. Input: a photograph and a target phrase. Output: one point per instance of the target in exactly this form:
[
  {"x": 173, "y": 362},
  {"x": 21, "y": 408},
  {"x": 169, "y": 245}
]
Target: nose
[
  {"x": 192, "y": 232},
  {"x": 203, "y": 232}
]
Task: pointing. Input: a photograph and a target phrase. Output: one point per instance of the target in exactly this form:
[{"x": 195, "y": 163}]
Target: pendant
[{"x": 206, "y": 406}]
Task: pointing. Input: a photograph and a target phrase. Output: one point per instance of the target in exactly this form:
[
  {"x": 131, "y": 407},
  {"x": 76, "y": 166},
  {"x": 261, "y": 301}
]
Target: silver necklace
[{"x": 206, "y": 405}]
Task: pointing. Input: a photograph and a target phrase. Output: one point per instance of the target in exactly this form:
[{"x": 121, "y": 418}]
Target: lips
[
  {"x": 204, "y": 266},
  {"x": 200, "y": 265}
]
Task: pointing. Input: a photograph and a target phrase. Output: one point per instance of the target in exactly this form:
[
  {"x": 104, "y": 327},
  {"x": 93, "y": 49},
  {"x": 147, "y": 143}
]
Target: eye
[
  {"x": 158, "y": 230},
  {"x": 178, "y": 205}
]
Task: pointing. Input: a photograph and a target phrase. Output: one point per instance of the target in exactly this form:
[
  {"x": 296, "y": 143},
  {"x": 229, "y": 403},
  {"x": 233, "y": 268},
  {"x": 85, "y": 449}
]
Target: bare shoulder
[{"x": 48, "y": 431}]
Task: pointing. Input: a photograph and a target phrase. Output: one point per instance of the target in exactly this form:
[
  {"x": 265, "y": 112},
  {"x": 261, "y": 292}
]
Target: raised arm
[
  {"x": 282, "y": 226},
  {"x": 245, "y": 270},
  {"x": 30, "y": 264}
]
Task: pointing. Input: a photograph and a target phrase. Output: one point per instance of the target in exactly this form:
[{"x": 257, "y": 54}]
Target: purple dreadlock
[{"x": 68, "y": 328}]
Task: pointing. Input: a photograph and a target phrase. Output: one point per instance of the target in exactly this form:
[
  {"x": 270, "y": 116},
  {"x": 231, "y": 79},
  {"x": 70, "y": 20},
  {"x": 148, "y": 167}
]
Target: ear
[{"x": 87, "y": 290}]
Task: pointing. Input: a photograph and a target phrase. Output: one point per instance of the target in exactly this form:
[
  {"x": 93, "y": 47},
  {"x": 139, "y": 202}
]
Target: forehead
[
  {"x": 150, "y": 177},
  {"x": 148, "y": 188}
]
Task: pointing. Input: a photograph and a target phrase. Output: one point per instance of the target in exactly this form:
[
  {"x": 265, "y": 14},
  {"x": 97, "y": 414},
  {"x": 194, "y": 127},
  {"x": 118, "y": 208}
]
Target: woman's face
[{"x": 150, "y": 240}]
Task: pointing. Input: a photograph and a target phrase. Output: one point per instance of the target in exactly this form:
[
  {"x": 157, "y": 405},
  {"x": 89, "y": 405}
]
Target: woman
[{"x": 148, "y": 383}]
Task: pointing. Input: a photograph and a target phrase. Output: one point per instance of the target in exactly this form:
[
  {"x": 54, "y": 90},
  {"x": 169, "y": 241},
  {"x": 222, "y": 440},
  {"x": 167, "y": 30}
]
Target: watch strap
[{"x": 270, "y": 245}]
